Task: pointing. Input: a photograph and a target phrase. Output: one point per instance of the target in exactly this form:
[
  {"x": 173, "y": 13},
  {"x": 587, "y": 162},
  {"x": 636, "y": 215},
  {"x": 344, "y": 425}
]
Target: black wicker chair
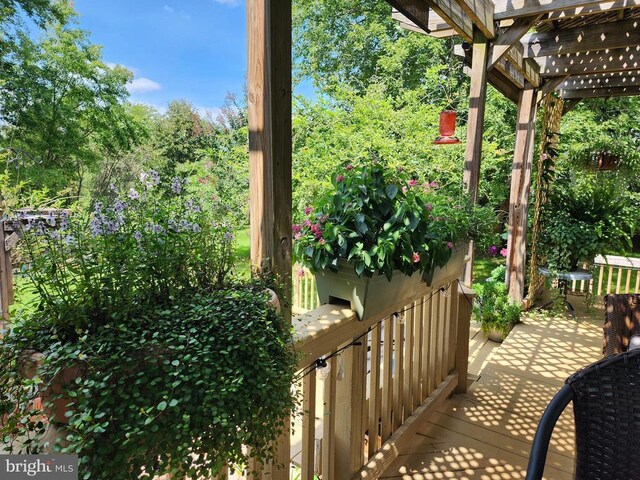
[{"x": 606, "y": 405}]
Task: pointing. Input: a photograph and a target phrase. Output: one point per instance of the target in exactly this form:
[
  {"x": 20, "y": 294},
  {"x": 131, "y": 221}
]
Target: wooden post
[
  {"x": 475, "y": 128},
  {"x": 519, "y": 197},
  {"x": 350, "y": 403},
  {"x": 6, "y": 277},
  {"x": 269, "y": 114},
  {"x": 465, "y": 305}
]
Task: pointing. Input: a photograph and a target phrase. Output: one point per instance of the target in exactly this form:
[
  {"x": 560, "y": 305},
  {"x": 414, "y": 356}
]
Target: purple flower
[
  {"x": 196, "y": 228},
  {"x": 450, "y": 245},
  {"x": 133, "y": 194},
  {"x": 137, "y": 235},
  {"x": 493, "y": 250},
  {"x": 51, "y": 220},
  {"x": 96, "y": 227},
  {"x": 228, "y": 236},
  {"x": 316, "y": 230},
  {"x": 308, "y": 210},
  {"x": 176, "y": 185},
  {"x": 119, "y": 206}
]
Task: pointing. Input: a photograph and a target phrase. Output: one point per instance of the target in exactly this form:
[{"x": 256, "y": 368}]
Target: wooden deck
[{"x": 487, "y": 433}]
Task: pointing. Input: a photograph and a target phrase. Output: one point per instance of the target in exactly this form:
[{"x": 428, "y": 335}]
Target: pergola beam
[
  {"x": 621, "y": 34},
  {"x": 450, "y": 12},
  {"x": 510, "y": 37},
  {"x": 600, "y": 7},
  {"x": 615, "y": 60},
  {"x": 601, "y": 92},
  {"x": 620, "y": 79},
  {"x": 505, "y": 9},
  {"x": 435, "y": 24},
  {"x": 480, "y": 12}
]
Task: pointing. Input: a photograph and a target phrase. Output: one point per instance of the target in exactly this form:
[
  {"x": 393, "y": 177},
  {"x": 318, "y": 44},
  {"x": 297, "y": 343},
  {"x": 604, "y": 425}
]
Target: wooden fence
[
  {"x": 383, "y": 375},
  {"x": 616, "y": 275}
]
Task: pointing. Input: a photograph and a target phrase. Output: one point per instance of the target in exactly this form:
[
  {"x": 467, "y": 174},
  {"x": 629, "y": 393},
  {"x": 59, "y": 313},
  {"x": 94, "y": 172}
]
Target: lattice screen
[{"x": 546, "y": 162}]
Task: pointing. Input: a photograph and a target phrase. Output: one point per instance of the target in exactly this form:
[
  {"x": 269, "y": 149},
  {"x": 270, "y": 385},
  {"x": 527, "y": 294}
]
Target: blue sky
[{"x": 181, "y": 49}]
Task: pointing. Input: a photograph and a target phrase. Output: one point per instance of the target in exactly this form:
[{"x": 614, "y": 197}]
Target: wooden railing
[
  {"x": 384, "y": 375},
  {"x": 305, "y": 294},
  {"x": 612, "y": 274},
  {"x": 623, "y": 272}
]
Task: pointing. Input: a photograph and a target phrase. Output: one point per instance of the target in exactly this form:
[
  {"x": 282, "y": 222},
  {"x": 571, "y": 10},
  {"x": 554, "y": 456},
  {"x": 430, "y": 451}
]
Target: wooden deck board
[{"x": 487, "y": 432}]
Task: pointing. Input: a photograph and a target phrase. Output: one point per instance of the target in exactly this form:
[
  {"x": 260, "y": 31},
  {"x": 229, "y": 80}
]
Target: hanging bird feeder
[{"x": 447, "y": 128}]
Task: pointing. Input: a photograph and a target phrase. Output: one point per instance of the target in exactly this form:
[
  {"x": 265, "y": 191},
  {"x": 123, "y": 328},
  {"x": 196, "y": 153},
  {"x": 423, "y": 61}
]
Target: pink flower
[
  {"x": 412, "y": 183},
  {"x": 316, "y": 230},
  {"x": 405, "y": 189},
  {"x": 295, "y": 228},
  {"x": 434, "y": 184},
  {"x": 429, "y": 207},
  {"x": 339, "y": 178},
  {"x": 307, "y": 223},
  {"x": 322, "y": 241},
  {"x": 348, "y": 167},
  {"x": 308, "y": 210},
  {"x": 503, "y": 252},
  {"x": 300, "y": 272},
  {"x": 416, "y": 257},
  {"x": 296, "y": 236},
  {"x": 450, "y": 245}
]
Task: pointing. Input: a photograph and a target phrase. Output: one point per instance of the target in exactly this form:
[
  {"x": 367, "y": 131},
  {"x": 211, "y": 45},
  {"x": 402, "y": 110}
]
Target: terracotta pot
[{"x": 55, "y": 408}]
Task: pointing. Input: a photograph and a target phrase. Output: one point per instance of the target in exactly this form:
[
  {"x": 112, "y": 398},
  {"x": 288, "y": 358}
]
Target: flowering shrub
[
  {"x": 136, "y": 249},
  {"x": 383, "y": 220},
  {"x": 181, "y": 366}
]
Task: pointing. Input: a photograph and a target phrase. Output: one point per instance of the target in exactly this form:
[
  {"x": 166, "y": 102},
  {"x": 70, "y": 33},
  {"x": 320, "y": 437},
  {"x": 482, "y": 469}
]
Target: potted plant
[
  {"x": 586, "y": 215},
  {"x": 179, "y": 364},
  {"x": 371, "y": 237},
  {"x": 492, "y": 308}
]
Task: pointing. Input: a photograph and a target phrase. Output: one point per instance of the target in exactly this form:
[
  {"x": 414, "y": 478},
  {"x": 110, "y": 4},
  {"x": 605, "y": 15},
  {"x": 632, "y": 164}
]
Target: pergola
[{"x": 526, "y": 49}]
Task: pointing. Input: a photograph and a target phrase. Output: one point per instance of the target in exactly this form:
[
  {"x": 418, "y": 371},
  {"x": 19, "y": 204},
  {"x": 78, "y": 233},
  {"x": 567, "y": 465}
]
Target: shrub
[
  {"x": 492, "y": 307},
  {"x": 382, "y": 220},
  {"x": 182, "y": 366}
]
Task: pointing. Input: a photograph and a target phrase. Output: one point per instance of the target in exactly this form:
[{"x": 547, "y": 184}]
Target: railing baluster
[
  {"x": 426, "y": 341},
  {"x": 417, "y": 352},
  {"x": 627, "y": 288},
  {"x": 637, "y": 289},
  {"x": 609, "y": 280},
  {"x": 329, "y": 422},
  {"x": 398, "y": 373},
  {"x": 408, "y": 364},
  {"x": 308, "y": 425},
  {"x": 441, "y": 338},
  {"x": 600, "y": 279},
  {"x": 433, "y": 341},
  {"x": 618, "y": 280},
  {"x": 374, "y": 385},
  {"x": 387, "y": 392}
]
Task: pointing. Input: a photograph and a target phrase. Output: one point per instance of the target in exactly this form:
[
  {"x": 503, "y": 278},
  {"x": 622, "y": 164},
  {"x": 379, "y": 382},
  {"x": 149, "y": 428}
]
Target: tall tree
[{"x": 62, "y": 107}]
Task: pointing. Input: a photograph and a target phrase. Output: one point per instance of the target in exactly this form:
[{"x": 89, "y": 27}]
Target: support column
[
  {"x": 475, "y": 128},
  {"x": 519, "y": 197},
  {"x": 269, "y": 109}
]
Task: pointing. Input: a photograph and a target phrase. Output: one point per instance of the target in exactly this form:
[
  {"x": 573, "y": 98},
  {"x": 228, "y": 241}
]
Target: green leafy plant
[
  {"x": 492, "y": 307},
  {"x": 382, "y": 220},
  {"x": 587, "y": 215},
  {"x": 181, "y": 366}
]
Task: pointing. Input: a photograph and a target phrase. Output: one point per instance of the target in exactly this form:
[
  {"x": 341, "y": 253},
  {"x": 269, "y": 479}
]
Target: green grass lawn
[
  {"x": 243, "y": 254},
  {"x": 482, "y": 267}
]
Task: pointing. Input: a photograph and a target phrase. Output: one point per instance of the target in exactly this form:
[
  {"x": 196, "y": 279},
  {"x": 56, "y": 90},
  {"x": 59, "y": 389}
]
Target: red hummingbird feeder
[{"x": 447, "y": 128}]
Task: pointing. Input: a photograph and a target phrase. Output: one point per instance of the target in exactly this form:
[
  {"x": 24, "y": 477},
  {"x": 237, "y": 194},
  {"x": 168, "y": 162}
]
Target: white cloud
[
  {"x": 230, "y": 3},
  {"x": 210, "y": 113},
  {"x": 143, "y": 85},
  {"x": 168, "y": 9}
]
